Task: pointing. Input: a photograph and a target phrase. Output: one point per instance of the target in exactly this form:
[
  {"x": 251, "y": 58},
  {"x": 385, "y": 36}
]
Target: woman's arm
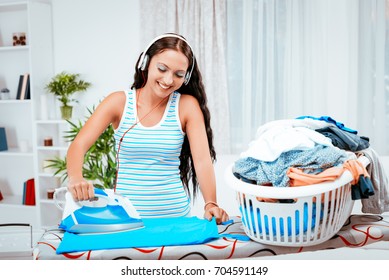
[
  {"x": 192, "y": 120},
  {"x": 109, "y": 111}
]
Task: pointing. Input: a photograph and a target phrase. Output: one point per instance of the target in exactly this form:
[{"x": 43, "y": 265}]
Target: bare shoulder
[
  {"x": 112, "y": 106},
  {"x": 113, "y": 101},
  {"x": 116, "y": 96},
  {"x": 189, "y": 110},
  {"x": 188, "y": 102}
]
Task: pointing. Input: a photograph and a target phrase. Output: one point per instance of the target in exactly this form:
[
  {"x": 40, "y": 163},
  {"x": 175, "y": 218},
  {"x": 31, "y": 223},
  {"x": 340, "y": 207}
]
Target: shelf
[
  {"x": 48, "y": 201},
  {"x": 21, "y": 117},
  {"x": 13, "y": 48},
  {"x": 52, "y": 148},
  {"x": 14, "y": 201},
  {"x": 49, "y": 175},
  {"x": 15, "y": 101},
  {"x": 14, "y": 6},
  {"x": 16, "y": 152},
  {"x": 52, "y": 122},
  {"x": 13, "y": 211}
]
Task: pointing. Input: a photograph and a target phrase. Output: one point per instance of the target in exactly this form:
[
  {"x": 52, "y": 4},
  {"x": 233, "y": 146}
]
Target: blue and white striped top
[{"x": 149, "y": 162}]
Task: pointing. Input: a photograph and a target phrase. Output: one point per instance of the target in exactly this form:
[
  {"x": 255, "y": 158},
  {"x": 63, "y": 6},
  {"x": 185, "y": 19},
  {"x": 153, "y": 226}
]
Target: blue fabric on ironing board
[{"x": 156, "y": 232}]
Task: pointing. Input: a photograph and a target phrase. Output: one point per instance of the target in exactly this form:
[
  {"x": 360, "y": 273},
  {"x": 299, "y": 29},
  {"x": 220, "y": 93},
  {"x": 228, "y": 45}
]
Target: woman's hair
[{"x": 195, "y": 88}]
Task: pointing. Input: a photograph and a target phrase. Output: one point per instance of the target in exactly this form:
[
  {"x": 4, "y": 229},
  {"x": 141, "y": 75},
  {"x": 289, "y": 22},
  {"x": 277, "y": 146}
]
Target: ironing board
[{"x": 360, "y": 231}]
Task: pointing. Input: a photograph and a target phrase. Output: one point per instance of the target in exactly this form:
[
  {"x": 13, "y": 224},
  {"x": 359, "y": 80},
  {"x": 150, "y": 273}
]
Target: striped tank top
[{"x": 149, "y": 162}]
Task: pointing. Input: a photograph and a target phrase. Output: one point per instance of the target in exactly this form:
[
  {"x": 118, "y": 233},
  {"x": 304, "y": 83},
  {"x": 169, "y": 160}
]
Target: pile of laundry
[{"x": 310, "y": 150}]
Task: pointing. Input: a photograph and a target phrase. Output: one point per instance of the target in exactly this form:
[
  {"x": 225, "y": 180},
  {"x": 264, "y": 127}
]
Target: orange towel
[{"x": 299, "y": 178}]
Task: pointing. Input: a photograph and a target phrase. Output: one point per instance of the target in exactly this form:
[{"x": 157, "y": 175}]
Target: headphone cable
[{"x": 131, "y": 127}]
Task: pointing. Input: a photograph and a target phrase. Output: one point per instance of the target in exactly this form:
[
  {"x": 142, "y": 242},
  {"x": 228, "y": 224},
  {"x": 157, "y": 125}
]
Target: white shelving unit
[
  {"x": 49, "y": 213},
  {"x": 22, "y": 119}
]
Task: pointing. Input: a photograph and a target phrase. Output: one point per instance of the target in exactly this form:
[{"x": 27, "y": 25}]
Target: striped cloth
[{"x": 149, "y": 162}]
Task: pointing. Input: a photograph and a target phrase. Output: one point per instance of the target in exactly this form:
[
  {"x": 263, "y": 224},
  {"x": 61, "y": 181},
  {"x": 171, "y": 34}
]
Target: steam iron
[{"x": 108, "y": 213}]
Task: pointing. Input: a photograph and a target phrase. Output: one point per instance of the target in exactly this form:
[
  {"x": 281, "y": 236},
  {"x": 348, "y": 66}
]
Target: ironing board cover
[{"x": 156, "y": 232}]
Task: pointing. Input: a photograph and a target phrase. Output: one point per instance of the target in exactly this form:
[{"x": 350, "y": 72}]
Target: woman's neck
[
  {"x": 148, "y": 99},
  {"x": 149, "y": 107}
]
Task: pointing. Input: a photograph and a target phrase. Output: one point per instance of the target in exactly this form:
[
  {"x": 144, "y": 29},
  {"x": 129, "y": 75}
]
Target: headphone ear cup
[
  {"x": 187, "y": 78},
  {"x": 144, "y": 63}
]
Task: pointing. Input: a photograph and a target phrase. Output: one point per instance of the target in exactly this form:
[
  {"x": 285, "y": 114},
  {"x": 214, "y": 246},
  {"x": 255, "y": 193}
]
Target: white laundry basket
[{"x": 316, "y": 213}]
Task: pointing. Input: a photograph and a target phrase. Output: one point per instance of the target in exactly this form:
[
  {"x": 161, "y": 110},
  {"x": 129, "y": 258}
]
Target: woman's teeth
[{"x": 163, "y": 86}]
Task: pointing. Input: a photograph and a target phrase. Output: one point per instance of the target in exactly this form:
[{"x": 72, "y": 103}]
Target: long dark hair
[{"x": 195, "y": 87}]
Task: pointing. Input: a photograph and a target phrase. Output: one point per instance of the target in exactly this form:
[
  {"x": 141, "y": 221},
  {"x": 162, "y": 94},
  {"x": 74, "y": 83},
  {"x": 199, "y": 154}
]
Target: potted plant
[
  {"x": 99, "y": 162},
  {"x": 63, "y": 86}
]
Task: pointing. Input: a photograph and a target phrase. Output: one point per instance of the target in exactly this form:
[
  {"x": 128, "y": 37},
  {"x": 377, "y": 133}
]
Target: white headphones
[{"x": 144, "y": 59}]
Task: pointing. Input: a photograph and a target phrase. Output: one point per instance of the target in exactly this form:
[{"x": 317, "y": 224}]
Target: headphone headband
[{"x": 144, "y": 57}]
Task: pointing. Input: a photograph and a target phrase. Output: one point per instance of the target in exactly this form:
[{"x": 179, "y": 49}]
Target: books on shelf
[
  {"x": 3, "y": 140},
  {"x": 24, "y": 87},
  {"x": 29, "y": 192}
]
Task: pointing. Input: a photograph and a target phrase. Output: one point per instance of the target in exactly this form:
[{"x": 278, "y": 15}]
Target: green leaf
[
  {"x": 64, "y": 85},
  {"x": 99, "y": 161}
]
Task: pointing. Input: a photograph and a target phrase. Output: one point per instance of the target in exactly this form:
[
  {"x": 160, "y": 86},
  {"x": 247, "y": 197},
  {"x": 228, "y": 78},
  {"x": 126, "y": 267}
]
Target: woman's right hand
[{"x": 81, "y": 189}]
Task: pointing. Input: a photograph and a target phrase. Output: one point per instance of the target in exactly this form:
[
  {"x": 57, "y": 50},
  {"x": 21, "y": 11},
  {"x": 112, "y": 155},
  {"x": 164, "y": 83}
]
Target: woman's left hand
[{"x": 217, "y": 212}]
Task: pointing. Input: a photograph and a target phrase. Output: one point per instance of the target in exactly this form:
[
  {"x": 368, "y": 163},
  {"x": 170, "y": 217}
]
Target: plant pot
[{"x": 66, "y": 112}]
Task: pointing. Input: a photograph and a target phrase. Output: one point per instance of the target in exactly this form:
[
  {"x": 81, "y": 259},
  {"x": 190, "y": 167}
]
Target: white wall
[{"x": 100, "y": 40}]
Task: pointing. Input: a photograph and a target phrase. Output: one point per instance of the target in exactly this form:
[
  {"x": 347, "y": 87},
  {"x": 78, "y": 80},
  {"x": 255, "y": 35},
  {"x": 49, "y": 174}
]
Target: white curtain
[
  {"x": 321, "y": 55},
  {"x": 285, "y": 59},
  {"x": 308, "y": 57},
  {"x": 256, "y": 38},
  {"x": 203, "y": 24},
  {"x": 373, "y": 72}
]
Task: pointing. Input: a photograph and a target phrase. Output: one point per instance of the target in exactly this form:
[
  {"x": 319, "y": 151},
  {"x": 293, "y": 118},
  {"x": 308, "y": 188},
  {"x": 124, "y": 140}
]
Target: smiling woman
[
  {"x": 164, "y": 140},
  {"x": 168, "y": 69}
]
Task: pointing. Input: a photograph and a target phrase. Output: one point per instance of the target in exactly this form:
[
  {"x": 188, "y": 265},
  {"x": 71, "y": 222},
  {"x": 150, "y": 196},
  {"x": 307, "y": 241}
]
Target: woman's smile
[{"x": 163, "y": 86}]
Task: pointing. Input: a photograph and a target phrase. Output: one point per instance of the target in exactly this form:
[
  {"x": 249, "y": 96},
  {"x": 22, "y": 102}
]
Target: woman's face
[{"x": 167, "y": 71}]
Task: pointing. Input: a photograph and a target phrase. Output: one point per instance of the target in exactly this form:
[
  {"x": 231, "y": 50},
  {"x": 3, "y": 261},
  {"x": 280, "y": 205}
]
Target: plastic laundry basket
[{"x": 312, "y": 214}]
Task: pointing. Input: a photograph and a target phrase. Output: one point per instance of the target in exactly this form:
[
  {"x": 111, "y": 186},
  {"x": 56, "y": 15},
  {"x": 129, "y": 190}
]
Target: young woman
[{"x": 163, "y": 135}]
